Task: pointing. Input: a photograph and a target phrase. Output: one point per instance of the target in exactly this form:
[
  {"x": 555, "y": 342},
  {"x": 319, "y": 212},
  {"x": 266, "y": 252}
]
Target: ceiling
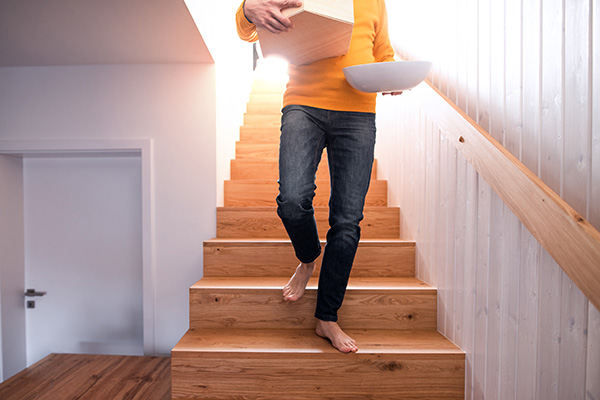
[{"x": 84, "y": 32}]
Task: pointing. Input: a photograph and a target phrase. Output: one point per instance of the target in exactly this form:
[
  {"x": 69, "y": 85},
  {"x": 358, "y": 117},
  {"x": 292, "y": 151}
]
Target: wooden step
[
  {"x": 270, "y": 134},
  {"x": 265, "y": 98},
  {"x": 257, "y": 303},
  {"x": 262, "y": 120},
  {"x": 374, "y": 258},
  {"x": 263, "y": 222},
  {"x": 248, "y": 193},
  {"x": 269, "y": 108},
  {"x": 298, "y": 365},
  {"x": 263, "y": 86},
  {"x": 268, "y": 169},
  {"x": 256, "y": 149}
]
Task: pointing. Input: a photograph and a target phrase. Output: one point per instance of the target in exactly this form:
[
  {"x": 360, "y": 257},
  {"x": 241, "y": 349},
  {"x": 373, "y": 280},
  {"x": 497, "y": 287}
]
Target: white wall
[
  {"x": 530, "y": 76},
  {"x": 171, "y": 104},
  {"x": 233, "y": 61},
  {"x": 12, "y": 268}
]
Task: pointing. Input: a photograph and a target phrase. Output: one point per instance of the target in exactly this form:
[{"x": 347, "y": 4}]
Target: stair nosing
[
  {"x": 408, "y": 285},
  {"x": 313, "y": 345}
]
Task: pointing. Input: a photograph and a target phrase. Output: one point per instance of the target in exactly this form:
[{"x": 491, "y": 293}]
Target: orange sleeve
[
  {"x": 382, "y": 47},
  {"x": 246, "y": 30}
]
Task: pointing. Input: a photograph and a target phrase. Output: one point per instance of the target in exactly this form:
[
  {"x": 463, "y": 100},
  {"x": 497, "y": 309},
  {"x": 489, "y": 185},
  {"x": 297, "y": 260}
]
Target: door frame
[{"x": 111, "y": 147}]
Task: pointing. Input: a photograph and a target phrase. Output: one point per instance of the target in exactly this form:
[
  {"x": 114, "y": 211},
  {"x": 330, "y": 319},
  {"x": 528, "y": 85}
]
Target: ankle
[{"x": 307, "y": 266}]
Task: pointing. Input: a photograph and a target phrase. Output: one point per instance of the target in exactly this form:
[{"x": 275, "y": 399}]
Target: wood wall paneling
[{"x": 529, "y": 73}]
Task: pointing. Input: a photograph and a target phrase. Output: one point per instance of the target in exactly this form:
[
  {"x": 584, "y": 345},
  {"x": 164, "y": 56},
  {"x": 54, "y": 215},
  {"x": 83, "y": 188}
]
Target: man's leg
[
  {"x": 350, "y": 148},
  {"x": 301, "y": 147}
]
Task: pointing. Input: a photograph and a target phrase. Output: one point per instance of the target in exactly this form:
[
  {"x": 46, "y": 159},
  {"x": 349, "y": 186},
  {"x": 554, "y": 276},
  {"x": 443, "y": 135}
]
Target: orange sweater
[{"x": 322, "y": 83}]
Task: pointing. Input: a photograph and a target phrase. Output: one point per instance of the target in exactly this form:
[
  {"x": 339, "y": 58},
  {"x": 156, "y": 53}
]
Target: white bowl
[{"x": 393, "y": 76}]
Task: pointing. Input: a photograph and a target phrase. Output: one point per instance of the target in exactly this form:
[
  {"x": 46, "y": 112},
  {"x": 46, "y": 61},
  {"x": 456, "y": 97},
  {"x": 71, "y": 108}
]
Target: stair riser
[
  {"x": 269, "y": 170},
  {"x": 263, "y": 86},
  {"x": 264, "y": 108},
  {"x": 236, "y": 223},
  {"x": 266, "y": 309},
  {"x": 259, "y": 134},
  {"x": 249, "y": 260},
  {"x": 255, "y": 194},
  {"x": 257, "y": 150},
  {"x": 262, "y": 120},
  {"x": 316, "y": 376}
]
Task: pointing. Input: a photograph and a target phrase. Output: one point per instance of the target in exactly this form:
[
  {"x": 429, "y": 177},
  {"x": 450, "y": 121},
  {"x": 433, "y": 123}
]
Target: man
[{"x": 320, "y": 109}]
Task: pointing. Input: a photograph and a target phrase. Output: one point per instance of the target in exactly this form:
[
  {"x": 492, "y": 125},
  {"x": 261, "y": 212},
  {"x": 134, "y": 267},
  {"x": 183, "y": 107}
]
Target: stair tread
[
  {"x": 317, "y": 208},
  {"x": 297, "y": 341},
  {"x": 259, "y": 241},
  {"x": 358, "y": 283}
]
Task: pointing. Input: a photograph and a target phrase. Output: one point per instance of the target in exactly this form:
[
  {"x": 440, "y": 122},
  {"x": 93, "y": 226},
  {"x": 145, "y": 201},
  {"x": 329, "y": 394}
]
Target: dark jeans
[{"x": 350, "y": 141}]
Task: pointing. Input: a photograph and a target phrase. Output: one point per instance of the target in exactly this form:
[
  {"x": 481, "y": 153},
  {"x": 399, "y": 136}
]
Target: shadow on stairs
[{"x": 246, "y": 342}]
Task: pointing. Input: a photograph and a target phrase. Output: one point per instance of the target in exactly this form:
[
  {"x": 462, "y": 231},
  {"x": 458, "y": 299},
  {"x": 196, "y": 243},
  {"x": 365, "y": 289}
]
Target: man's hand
[{"x": 267, "y": 14}]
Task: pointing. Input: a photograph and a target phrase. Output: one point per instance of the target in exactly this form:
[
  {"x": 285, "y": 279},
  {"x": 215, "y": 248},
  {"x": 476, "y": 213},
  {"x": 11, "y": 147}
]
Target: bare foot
[
  {"x": 339, "y": 340},
  {"x": 297, "y": 284}
]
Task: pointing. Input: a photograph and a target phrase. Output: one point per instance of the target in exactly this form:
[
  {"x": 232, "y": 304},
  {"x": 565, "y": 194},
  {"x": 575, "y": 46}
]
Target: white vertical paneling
[
  {"x": 529, "y": 72},
  {"x": 594, "y": 197},
  {"x": 573, "y": 342},
  {"x": 481, "y": 250},
  {"x": 593, "y": 355},
  {"x": 439, "y": 253},
  {"x": 472, "y": 66},
  {"x": 577, "y": 148},
  {"x": 451, "y": 197},
  {"x": 548, "y": 336},
  {"x": 494, "y": 305},
  {"x": 459, "y": 250},
  {"x": 552, "y": 94},
  {"x": 513, "y": 77},
  {"x": 529, "y": 248},
  {"x": 527, "y": 324},
  {"x": 484, "y": 67},
  {"x": 531, "y": 84},
  {"x": 509, "y": 304},
  {"x": 593, "y": 350},
  {"x": 481, "y": 287},
  {"x": 461, "y": 54},
  {"x": 575, "y": 176},
  {"x": 470, "y": 277}
]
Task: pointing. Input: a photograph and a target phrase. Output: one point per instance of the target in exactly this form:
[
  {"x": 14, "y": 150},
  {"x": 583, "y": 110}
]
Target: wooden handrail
[{"x": 572, "y": 241}]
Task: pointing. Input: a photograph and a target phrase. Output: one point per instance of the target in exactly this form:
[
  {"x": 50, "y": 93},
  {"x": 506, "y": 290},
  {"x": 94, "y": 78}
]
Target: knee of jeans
[
  {"x": 295, "y": 210},
  {"x": 347, "y": 231}
]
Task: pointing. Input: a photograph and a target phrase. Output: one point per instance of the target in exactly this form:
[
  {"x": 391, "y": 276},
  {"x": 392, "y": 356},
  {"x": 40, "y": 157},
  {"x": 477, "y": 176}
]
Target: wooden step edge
[
  {"x": 408, "y": 285},
  {"x": 286, "y": 242},
  {"x": 298, "y": 342},
  {"x": 318, "y": 182},
  {"x": 272, "y": 209}
]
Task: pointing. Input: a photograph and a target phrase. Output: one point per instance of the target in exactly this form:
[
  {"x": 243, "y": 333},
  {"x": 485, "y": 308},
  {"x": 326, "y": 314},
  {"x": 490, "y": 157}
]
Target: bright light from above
[{"x": 272, "y": 69}]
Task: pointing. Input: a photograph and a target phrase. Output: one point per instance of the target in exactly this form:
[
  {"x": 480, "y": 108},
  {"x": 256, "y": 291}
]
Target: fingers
[
  {"x": 278, "y": 23},
  {"x": 283, "y": 4},
  {"x": 267, "y": 14}
]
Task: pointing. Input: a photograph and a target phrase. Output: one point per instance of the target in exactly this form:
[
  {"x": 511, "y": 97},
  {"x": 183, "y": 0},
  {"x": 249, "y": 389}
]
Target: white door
[{"x": 83, "y": 247}]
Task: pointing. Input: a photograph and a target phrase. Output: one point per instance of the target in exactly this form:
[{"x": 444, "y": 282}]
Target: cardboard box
[{"x": 323, "y": 29}]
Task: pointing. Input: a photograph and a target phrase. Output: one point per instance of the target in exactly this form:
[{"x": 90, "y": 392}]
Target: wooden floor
[{"x": 91, "y": 377}]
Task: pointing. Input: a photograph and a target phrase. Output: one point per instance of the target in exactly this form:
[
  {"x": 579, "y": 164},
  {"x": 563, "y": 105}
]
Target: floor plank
[{"x": 91, "y": 377}]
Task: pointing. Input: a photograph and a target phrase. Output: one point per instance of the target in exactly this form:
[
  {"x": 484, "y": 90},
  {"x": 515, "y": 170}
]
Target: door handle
[{"x": 33, "y": 293}]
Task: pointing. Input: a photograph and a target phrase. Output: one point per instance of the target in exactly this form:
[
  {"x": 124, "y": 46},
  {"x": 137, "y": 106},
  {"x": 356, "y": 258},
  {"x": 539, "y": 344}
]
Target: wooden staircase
[{"x": 246, "y": 342}]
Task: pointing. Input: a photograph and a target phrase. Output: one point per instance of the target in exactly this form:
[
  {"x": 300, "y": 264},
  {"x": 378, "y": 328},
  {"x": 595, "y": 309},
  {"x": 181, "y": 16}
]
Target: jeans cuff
[
  {"x": 309, "y": 259},
  {"x": 328, "y": 318}
]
